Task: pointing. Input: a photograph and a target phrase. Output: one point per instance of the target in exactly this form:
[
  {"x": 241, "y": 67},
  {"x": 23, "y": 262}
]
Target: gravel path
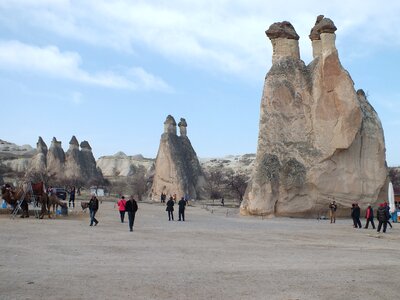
[{"x": 215, "y": 254}]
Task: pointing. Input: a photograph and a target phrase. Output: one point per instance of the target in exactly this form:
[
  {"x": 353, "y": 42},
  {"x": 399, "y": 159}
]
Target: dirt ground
[{"x": 215, "y": 254}]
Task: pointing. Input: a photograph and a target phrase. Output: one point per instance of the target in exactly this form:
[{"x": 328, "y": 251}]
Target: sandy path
[{"x": 211, "y": 256}]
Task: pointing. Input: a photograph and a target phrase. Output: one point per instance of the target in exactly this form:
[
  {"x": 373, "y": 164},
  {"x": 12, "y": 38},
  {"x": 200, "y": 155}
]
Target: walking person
[
  {"x": 72, "y": 198},
  {"x": 382, "y": 216},
  {"x": 332, "y": 211},
  {"x": 369, "y": 216},
  {"x": 170, "y": 208},
  {"x": 222, "y": 201},
  {"x": 121, "y": 208},
  {"x": 387, "y": 207},
  {"x": 182, "y": 204},
  {"x": 93, "y": 207},
  {"x": 355, "y": 214},
  {"x": 131, "y": 208}
]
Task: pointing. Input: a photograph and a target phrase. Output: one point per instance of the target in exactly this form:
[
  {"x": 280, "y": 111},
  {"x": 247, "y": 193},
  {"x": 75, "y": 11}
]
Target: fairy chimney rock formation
[
  {"x": 182, "y": 127},
  {"x": 38, "y": 163},
  {"x": 319, "y": 139},
  {"x": 41, "y": 146},
  {"x": 75, "y": 164},
  {"x": 88, "y": 163},
  {"x": 177, "y": 168},
  {"x": 284, "y": 39},
  {"x": 55, "y": 157},
  {"x": 85, "y": 146},
  {"x": 72, "y": 160},
  {"x": 170, "y": 125},
  {"x": 323, "y": 36},
  {"x": 73, "y": 143}
]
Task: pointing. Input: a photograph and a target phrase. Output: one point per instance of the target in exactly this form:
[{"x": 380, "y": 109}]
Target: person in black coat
[
  {"x": 170, "y": 209},
  {"x": 71, "y": 201},
  {"x": 355, "y": 214},
  {"x": 182, "y": 204},
  {"x": 382, "y": 215},
  {"x": 131, "y": 208},
  {"x": 93, "y": 207}
]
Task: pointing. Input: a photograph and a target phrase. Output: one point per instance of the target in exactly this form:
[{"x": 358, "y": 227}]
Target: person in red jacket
[
  {"x": 121, "y": 207},
  {"x": 369, "y": 215}
]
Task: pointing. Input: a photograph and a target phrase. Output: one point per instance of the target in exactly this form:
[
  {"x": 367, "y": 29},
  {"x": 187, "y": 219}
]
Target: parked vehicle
[{"x": 60, "y": 193}]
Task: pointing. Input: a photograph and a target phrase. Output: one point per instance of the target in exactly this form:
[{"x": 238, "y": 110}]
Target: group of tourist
[
  {"x": 383, "y": 215},
  {"x": 130, "y": 206},
  {"x": 127, "y": 206},
  {"x": 181, "y": 211}
]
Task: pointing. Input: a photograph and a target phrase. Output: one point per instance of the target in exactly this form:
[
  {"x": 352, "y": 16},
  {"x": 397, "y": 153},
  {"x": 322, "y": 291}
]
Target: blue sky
[{"x": 111, "y": 71}]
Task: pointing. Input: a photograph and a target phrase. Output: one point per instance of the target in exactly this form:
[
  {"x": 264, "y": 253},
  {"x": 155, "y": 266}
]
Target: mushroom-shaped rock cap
[
  {"x": 314, "y": 34},
  {"x": 282, "y": 30},
  {"x": 170, "y": 120},
  {"x": 182, "y": 123},
  {"x": 322, "y": 25},
  {"x": 85, "y": 145},
  {"x": 326, "y": 26},
  {"x": 74, "y": 141}
]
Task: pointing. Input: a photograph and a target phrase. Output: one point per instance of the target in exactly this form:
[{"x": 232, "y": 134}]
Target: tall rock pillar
[
  {"x": 177, "y": 168},
  {"x": 73, "y": 161},
  {"x": 38, "y": 163},
  {"x": 318, "y": 138},
  {"x": 56, "y": 159}
]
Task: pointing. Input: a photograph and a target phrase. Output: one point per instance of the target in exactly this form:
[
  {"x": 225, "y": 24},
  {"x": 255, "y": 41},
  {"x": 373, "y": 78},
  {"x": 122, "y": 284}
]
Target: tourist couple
[{"x": 130, "y": 207}]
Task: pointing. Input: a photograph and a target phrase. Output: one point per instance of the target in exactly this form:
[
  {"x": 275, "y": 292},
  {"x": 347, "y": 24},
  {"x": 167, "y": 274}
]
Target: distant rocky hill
[
  {"x": 238, "y": 163},
  {"x": 13, "y": 158},
  {"x": 122, "y": 165},
  {"x": 19, "y": 159},
  {"x": 74, "y": 165}
]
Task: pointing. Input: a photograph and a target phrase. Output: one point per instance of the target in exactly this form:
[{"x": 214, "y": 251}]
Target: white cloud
[
  {"x": 49, "y": 60},
  {"x": 221, "y": 35}
]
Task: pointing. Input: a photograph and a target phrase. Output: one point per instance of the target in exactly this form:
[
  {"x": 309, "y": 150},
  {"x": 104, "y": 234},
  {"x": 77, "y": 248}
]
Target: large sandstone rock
[
  {"x": 88, "y": 166},
  {"x": 74, "y": 165},
  {"x": 318, "y": 138},
  {"x": 177, "y": 168},
  {"x": 38, "y": 163},
  {"x": 55, "y": 158},
  {"x": 73, "y": 168}
]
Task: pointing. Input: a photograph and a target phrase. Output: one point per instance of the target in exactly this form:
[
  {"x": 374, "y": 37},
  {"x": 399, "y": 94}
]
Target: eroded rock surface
[
  {"x": 177, "y": 168},
  {"x": 75, "y": 164},
  {"x": 319, "y": 139}
]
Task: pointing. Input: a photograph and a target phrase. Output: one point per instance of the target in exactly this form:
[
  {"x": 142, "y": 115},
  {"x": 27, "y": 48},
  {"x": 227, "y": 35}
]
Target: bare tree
[
  {"x": 138, "y": 182},
  {"x": 394, "y": 175},
  {"x": 215, "y": 179},
  {"x": 237, "y": 183},
  {"x": 49, "y": 179}
]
